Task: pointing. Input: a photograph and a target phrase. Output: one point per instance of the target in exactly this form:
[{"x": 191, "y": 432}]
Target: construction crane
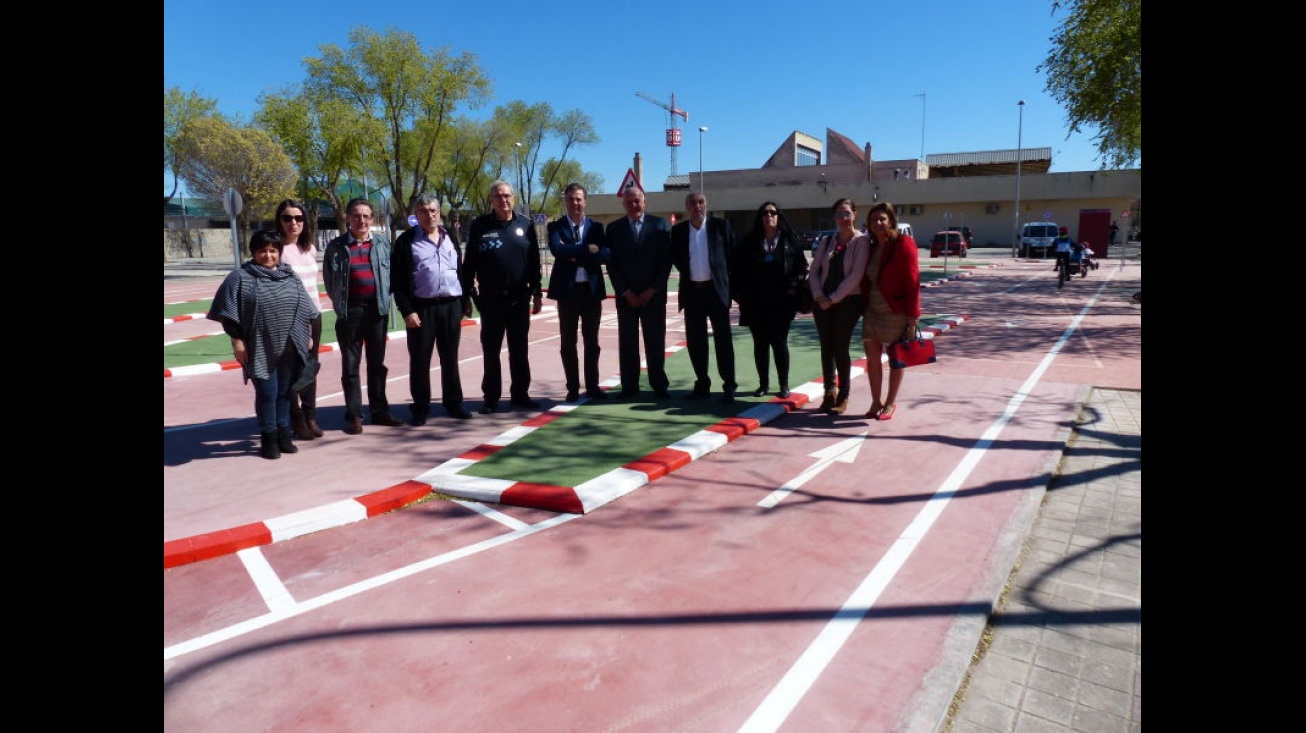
[{"x": 673, "y": 130}]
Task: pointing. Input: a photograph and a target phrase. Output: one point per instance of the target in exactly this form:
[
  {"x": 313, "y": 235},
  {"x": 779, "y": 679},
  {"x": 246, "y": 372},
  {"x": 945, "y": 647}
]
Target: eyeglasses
[
  {"x": 770, "y": 212},
  {"x": 843, "y": 215},
  {"x": 503, "y": 195},
  {"x": 287, "y": 218}
]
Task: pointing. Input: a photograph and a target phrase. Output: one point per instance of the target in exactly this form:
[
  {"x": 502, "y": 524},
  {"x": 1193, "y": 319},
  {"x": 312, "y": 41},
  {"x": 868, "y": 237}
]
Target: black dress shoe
[
  {"x": 727, "y": 398},
  {"x": 459, "y": 414},
  {"x": 760, "y": 391},
  {"x": 386, "y": 419},
  {"x": 696, "y": 394},
  {"x": 525, "y": 402},
  {"x": 784, "y": 392},
  {"x": 596, "y": 394},
  {"x": 353, "y": 425},
  {"x": 417, "y": 419},
  {"x": 488, "y": 408},
  {"x": 572, "y": 396}
]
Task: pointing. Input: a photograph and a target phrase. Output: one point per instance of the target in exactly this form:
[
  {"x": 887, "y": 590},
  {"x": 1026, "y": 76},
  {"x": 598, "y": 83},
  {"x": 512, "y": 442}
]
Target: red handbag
[{"x": 911, "y": 352}]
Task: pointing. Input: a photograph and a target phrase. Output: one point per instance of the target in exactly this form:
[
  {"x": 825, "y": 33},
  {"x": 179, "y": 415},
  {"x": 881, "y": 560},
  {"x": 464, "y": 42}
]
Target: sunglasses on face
[
  {"x": 843, "y": 215},
  {"x": 770, "y": 212},
  {"x": 287, "y": 218}
]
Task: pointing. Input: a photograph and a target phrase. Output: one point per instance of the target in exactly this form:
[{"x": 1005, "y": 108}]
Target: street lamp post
[
  {"x": 1020, "y": 129},
  {"x": 701, "y": 188},
  {"x": 922, "y": 96}
]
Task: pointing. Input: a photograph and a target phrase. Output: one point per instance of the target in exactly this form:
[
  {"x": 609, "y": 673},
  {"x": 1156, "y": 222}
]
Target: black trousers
[
  {"x": 770, "y": 330},
  {"x": 514, "y": 322},
  {"x": 579, "y": 313},
  {"x": 703, "y": 306},
  {"x": 363, "y": 330},
  {"x": 835, "y": 328},
  {"x": 441, "y": 331},
  {"x": 650, "y": 321}
]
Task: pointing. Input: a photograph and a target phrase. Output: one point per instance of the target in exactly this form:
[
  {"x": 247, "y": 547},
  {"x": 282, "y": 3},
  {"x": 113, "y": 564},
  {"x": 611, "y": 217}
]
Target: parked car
[
  {"x": 905, "y": 230},
  {"x": 811, "y": 239},
  {"x": 965, "y": 232},
  {"x": 1037, "y": 235},
  {"x": 948, "y": 242}
]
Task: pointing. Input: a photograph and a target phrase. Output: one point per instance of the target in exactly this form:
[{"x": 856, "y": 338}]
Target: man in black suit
[
  {"x": 703, "y": 249},
  {"x": 501, "y": 272},
  {"x": 639, "y": 268},
  {"x": 580, "y": 250}
]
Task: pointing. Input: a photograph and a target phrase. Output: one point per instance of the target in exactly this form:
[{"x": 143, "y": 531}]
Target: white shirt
[{"x": 699, "y": 267}]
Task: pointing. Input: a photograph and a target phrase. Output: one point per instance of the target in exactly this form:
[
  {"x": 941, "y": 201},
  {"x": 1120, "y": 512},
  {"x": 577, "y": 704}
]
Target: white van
[
  {"x": 904, "y": 230},
  {"x": 1037, "y": 235}
]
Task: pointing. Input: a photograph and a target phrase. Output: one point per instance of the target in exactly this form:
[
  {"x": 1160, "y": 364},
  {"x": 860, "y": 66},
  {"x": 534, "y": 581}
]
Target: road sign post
[{"x": 232, "y": 204}]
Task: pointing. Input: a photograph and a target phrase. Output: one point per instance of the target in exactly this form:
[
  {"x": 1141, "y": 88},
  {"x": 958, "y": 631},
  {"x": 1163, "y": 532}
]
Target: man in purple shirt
[{"x": 426, "y": 263}]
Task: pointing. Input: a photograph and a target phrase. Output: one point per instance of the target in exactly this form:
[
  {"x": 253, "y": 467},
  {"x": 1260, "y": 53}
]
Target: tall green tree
[
  {"x": 405, "y": 96},
  {"x": 572, "y": 128},
  {"x": 216, "y": 156},
  {"x": 559, "y": 174},
  {"x": 179, "y": 108},
  {"x": 1095, "y": 70},
  {"x": 322, "y": 140}
]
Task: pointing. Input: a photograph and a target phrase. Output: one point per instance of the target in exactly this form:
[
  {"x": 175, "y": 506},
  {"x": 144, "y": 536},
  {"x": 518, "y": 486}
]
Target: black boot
[
  {"x": 308, "y": 403},
  {"x": 268, "y": 446},
  {"x": 284, "y": 442},
  {"x": 297, "y": 422},
  {"x": 827, "y": 402},
  {"x": 840, "y": 403}
]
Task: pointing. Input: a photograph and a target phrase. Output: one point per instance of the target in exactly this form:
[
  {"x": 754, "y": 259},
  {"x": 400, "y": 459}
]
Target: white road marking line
[
  {"x": 265, "y": 579},
  {"x": 785, "y": 696}
]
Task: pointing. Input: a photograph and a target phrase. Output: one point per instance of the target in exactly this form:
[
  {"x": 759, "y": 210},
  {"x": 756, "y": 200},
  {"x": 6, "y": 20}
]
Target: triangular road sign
[{"x": 628, "y": 181}]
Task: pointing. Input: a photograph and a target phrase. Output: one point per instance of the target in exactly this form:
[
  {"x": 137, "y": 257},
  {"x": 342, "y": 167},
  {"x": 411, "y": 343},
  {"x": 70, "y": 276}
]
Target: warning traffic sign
[{"x": 628, "y": 181}]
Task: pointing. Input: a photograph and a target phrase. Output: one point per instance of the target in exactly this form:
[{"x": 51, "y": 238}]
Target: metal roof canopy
[{"x": 989, "y": 162}]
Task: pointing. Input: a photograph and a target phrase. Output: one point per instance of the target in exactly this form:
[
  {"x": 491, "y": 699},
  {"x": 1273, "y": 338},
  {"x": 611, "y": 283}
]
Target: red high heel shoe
[{"x": 887, "y": 412}]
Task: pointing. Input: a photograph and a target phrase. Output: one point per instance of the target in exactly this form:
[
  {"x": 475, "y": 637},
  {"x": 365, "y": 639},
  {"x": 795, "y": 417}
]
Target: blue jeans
[{"x": 272, "y": 395}]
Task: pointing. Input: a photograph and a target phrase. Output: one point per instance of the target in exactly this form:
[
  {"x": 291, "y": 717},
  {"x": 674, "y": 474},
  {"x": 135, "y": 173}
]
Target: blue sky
[{"x": 752, "y": 72}]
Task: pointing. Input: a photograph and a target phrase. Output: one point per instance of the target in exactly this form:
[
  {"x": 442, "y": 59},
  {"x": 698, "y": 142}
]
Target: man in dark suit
[
  {"x": 639, "y": 268},
  {"x": 702, "y": 250},
  {"x": 501, "y": 272},
  {"x": 580, "y": 250}
]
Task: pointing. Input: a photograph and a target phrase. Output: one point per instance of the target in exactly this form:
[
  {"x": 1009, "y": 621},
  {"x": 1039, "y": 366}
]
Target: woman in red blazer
[{"x": 892, "y": 298}]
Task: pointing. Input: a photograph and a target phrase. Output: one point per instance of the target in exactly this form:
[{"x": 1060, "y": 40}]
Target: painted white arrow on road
[{"x": 845, "y": 451}]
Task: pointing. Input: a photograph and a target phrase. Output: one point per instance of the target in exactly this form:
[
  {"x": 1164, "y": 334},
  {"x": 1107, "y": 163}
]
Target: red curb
[
  {"x": 215, "y": 544},
  {"x": 481, "y": 452},
  {"x": 543, "y": 496},
  {"x": 396, "y": 497},
  {"x": 660, "y": 462}
]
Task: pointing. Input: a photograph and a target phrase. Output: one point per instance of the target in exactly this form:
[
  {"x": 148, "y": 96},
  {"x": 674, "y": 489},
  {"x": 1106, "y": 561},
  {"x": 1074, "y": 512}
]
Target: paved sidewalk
[{"x": 1063, "y": 651}]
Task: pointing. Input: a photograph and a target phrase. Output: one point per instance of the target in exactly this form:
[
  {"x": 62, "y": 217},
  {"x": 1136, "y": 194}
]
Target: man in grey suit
[
  {"x": 639, "y": 269},
  {"x": 703, "y": 249}
]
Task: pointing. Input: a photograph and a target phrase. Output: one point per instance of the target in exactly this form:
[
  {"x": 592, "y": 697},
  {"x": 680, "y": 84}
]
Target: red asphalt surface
[{"x": 816, "y": 573}]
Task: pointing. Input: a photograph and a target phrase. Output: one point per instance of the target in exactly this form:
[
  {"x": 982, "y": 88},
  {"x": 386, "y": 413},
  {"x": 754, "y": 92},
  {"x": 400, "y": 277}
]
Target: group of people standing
[{"x": 271, "y": 309}]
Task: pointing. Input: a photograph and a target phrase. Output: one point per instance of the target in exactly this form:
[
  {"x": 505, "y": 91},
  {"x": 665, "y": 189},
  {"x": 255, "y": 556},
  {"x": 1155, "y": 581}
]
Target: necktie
[
  {"x": 575, "y": 232},
  {"x": 634, "y": 226}
]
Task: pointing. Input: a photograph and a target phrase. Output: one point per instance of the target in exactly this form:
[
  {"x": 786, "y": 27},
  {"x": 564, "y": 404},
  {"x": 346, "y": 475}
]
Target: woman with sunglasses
[
  {"x": 301, "y": 254},
  {"x": 770, "y": 268},
  {"x": 835, "y": 278}
]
